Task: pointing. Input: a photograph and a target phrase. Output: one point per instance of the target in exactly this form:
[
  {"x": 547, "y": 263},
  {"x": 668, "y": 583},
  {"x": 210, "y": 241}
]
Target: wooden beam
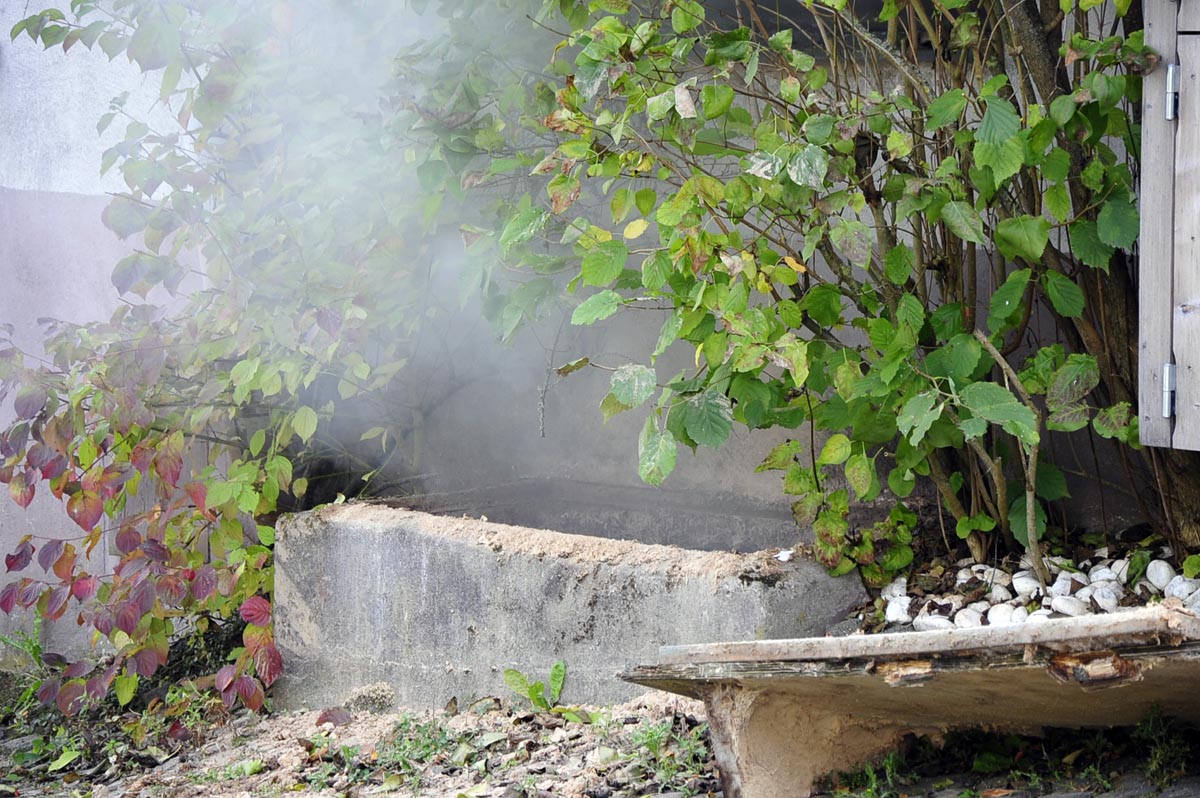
[{"x": 1156, "y": 247}]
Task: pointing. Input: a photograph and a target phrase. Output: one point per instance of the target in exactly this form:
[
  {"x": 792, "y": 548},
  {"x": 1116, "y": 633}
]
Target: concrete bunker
[{"x": 439, "y": 607}]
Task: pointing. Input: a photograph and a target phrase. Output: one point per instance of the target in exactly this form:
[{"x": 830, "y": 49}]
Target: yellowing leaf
[
  {"x": 794, "y": 264},
  {"x": 635, "y": 228}
]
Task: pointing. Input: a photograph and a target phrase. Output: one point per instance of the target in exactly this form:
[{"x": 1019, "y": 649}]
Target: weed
[
  {"x": 1168, "y": 751},
  {"x": 870, "y": 783},
  {"x": 669, "y": 754},
  {"x": 537, "y": 695}
]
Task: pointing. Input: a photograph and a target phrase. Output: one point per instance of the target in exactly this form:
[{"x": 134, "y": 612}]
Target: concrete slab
[
  {"x": 786, "y": 712},
  {"x": 440, "y": 607}
]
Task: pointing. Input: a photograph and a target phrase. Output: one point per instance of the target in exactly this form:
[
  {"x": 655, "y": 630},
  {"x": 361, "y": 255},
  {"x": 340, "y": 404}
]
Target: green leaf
[
  {"x": 707, "y": 417},
  {"x": 1087, "y": 246},
  {"x": 809, "y": 166},
  {"x": 669, "y": 332},
  {"x": 898, "y": 264},
  {"x": 824, "y": 304},
  {"x": 125, "y": 686},
  {"x": 716, "y": 100},
  {"x": 621, "y": 204},
  {"x": 1000, "y": 122},
  {"x": 726, "y": 46},
  {"x": 65, "y": 758},
  {"x": 956, "y": 360},
  {"x": 604, "y": 263},
  {"x": 1113, "y": 422},
  {"x": 633, "y": 384},
  {"x": 1191, "y": 566},
  {"x": 860, "y": 474},
  {"x": 1023, "y": 237},
  {"x": 1062, "y": 109},
  {"x": 516, "y": 682},
  {"x": 835, "y": 451},
  {"x": 573, "y": 366},
  {"x": 304, "y": 423},
  {"x": 522, "y": 227},
  {"x": 1017, "y": 521},
  {"x": 781, "y": 457},
  {"x": 1073, "y": 381},
  {"x": 781, "y": 41},
  {"x": 611, "y": 406},
  {"x": 946, "y": 109},
  {"x": 963, "y": 221},
  {"x": 686, "y": 16},
  {"x": 596, "y": 307},
  {"x": 1051, "y": 483},
  {"x": 1004, "y": 159},
  {"x": 1057, "y": 200},
  {"x": 1007, "y": 299},
  {"x": 917, "y": 416},
  {"x": 656, "y": 453},
  {"x": 997, "y": 405},
  {"x": 558, "y": 677},
  {"x": 1117, "y": 223},
  {"x": 1064, "y": 294}
]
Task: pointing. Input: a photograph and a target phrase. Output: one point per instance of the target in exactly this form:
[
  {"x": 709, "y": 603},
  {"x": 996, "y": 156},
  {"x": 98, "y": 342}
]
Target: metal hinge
[
  {"x": 1171, "y": 107},
  {"x": 1168, "y": 384}
]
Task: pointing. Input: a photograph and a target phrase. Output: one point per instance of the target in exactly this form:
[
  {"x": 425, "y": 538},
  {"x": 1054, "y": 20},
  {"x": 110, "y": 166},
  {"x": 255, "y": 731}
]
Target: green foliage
[
  {"x": 544, "y": 696},
  {"x": 822, "y": 256}
]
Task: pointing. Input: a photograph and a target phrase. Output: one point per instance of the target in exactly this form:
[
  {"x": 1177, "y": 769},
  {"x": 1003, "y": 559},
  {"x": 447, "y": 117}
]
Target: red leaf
[
  {"x": 205, "y": 583},
  {"x": 255, "y": 637},
  {"x": 64, "y": 566},
  {"x": 20, "y": 558},
  {"x": 268, "y": 663},
  {"x": 30, "y": 590},
  {"x": 198, "y": 493},
  {"x": 55, "y": 468},
  {"x": 144, "y": 595},
  {"x": 228, "y": 697},
  {"x": 146, "y": 662},
  {"x": 156, "y": 550},
  {"x": 39, "y": 455},
  {"x": 256, "y": 610},
  {"x": 172, "y": 589},
  {"x": 30, "y": 401},
  {"x": 168, "y": 463},
  {"x": 225, "y": 678},
  {"x": 141, "y": 457},
  {"x": 14, "y": 440},
  {"x": 96, "y": 688},
  {"x": 128, "y": 538},
  {"x": 179, "y": 732},
  {"x": 338, "y": 716},
  {"x": 85, "y": 509},
  {"x": 128, "y": 616},
  {"x": 6, "y": 474},
  {"x": 21, "y": 489},
  {"x": 57, "y": 603},
  {"x": 49, "y": 553},
  {"x": 8, "y": 598},
  {"x": 85, "y": 587},
  {"x": 104, "y": 622},
  {"x": 250, "y": 691},
  {"x": 76, "y": 669},
  {"x": 70, "y": 697},
  {"x": 47, "y": 691}
]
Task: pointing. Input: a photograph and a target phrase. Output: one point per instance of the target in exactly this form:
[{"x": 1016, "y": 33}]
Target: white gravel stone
[
  {"x": 1160, "y": 573},
  {"x": 968, "y": 618},
  {"x": 898, "y": 610},
  {"x": 895, "y": 588},
  {"x": 1000, "y": 615},
  {"x": 1037, "y": 616},
  {"x": 1102, "y": 573},
  {"x": 1105, "y": 597},
  {"x": 1020, "y": 615},
  {"x": 1069, "y": 605},
  {"x": 1101, "y": 552},
  {"x": 929, "y": 623},
  {"x": 1025, "y": 583},
  {"x": 1193, "y": 601},
  {"x": 1067, "y": 584},
  {"x": 991, "y": 576},
  {"x": 1181, "y": 587},
  {"x": 1084, "y": 593},
  {"x": 963, "y": 576},
  {"x": 999, "y": 594},
  {"x": 1121, "y": 569}
]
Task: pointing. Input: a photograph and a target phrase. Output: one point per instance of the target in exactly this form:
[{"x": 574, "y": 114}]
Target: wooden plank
[
  {"x": 1153, "y": 624},
  {"x": 1189, "y": 15},
  {"x": 1185, "y": 332},
  {"x": 1155, "y": 243}
]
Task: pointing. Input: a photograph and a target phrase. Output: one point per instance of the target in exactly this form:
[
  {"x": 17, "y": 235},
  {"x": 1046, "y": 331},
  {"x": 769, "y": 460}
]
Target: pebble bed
[{"x": 985, "y": 595}]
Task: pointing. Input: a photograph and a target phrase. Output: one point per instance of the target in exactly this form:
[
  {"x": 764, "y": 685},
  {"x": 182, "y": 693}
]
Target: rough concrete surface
[{"x": 440, "y": 607}]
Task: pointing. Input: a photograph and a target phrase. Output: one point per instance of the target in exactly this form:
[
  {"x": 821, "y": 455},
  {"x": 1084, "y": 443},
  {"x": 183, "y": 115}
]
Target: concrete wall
[{"x": 440, "y": 607}]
